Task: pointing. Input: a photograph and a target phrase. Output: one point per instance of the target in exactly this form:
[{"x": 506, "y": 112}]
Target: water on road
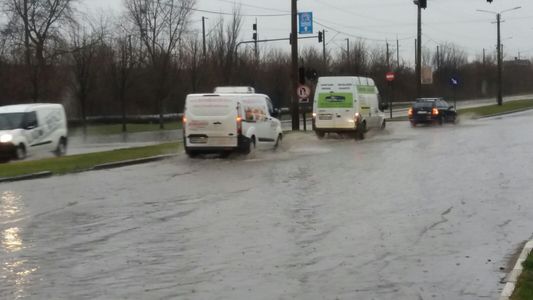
[{"x": 408, "y": 213}]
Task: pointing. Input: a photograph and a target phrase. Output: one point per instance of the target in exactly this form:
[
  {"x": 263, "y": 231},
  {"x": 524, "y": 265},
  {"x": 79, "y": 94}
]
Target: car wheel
[
  {"x": 61, "y": 149},
  {"x": 413, "y": 124},
  {"x": 441, "y": 120},
  {"x": 320, "y": 134},
  {"x": 20, "y": 152},
  {"x": 278, "y": 141}
]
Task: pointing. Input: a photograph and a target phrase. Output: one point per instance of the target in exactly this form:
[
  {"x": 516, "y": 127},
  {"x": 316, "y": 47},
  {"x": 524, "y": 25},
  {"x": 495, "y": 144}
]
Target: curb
[
  {"x": 39, "y": 175},
  {"x": 130, "y": 162},
  {"x": 512, "y": 278}
]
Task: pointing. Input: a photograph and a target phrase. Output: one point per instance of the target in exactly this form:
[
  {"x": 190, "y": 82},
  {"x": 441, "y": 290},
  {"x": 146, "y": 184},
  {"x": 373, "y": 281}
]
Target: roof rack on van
[{"x": 234, "y": 90}]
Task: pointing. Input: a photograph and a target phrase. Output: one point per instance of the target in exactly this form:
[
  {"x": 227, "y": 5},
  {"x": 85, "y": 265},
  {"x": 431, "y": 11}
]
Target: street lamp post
[{"x": 499, "y": 49}]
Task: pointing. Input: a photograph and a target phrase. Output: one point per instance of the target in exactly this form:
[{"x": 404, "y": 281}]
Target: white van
[
  {"x": 346, "y": 104},
  {"x": 223, "y": 123},
  {"x": 32, "y": 128}
]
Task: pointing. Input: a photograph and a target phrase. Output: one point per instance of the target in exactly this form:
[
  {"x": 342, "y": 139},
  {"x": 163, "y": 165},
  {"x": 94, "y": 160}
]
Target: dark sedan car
[{"x": 431, "y": 110}]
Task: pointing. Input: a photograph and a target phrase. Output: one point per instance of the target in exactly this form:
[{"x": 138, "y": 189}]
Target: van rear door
[{"x": 211, "y": 121}]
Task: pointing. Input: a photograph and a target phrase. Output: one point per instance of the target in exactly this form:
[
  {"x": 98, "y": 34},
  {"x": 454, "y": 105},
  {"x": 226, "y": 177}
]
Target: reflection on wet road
[
  {"x": 15, "y": 272},
  {"x": 424, "y": 213}
]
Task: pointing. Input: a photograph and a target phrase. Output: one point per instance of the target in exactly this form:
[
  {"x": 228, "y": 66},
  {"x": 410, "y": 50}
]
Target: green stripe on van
[
  {"x": 366, "y": 89},
  {"x": 335, "y": 100}
]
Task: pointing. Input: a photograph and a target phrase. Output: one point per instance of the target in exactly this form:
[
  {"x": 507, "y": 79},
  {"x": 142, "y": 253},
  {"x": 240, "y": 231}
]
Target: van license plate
[
  {"x": 198, "y": 140},
  {"x": 325, "y": 117}
]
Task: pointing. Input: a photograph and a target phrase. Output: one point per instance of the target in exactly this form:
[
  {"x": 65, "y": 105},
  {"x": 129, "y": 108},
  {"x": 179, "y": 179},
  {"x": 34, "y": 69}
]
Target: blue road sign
[
  {"x": 454, "y": 81},
  {"x": 306, "y": 22}
]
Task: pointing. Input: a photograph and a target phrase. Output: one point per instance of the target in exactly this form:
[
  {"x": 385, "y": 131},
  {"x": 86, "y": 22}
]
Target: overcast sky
[{"x": 454, "y": 21}]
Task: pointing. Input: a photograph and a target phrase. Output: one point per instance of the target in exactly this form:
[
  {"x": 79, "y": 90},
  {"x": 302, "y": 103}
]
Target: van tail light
[
  {"x": 435, "y": 112},
  {"x": 184, "y": 120},
  {"x": 357, "y": 118},
  {"x": 314, "y": 115},
  {"x": 239, "y": 124},
  {"x": 410, "y": 112}
]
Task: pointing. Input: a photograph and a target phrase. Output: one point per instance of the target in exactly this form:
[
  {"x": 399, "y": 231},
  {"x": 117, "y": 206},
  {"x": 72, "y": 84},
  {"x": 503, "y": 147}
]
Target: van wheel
[
  {"x": 61, "y": 149},
  {"x": 251, "y": 147},
  {"x": 384, "y": 124},
  {"x": 278, "y": 142},
  {"x": 360, "y": 132},
  {"x": 320, "y": 134},
  {"x": 20, "y": 152}
]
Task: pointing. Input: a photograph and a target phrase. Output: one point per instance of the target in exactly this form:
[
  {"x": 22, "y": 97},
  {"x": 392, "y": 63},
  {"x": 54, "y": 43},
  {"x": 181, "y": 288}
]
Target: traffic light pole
[
  {"x": 294, "y": 68},
  {"x": 324, "y": 55},
  {"x": 500, "y": 71}
]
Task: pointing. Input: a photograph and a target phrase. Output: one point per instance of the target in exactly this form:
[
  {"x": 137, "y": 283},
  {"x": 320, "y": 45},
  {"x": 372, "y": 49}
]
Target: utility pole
[
  {"x": 499, "y": 49},
  {"x": 419, "y": 53},
  {"x": 204, "y": 47},
  {"x": 348, "y": 50},
  {"x": 294, "y": 68},
  {"x": 398, "y": 53},
  {"x": 500, "y": 86},
  {"x": 484, "y": 59},
  {"x": 388, "y": 57},
  {"x": 438, "y": 58}
]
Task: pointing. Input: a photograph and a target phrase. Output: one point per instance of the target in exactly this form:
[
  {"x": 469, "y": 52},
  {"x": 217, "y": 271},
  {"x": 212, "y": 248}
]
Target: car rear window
[{"x": 423, "y": 104}]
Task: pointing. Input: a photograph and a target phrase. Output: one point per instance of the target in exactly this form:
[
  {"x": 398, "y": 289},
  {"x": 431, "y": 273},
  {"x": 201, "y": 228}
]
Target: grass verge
[
  {"x": 81, "y": 162},
  {"x": 489, "y": 110},
  {"x": 107, "y": 129},
  {"x": 524, "y": 286}
]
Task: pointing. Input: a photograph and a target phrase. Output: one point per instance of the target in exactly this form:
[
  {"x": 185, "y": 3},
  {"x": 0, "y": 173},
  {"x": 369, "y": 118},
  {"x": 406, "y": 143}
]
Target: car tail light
[
  {"x": 410, "y": 112},
  {"x": 435, "y": 112}
]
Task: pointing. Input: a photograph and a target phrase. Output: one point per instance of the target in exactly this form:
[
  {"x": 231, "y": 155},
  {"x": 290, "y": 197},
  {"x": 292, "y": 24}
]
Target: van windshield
[{"x": 11, "y": 121}]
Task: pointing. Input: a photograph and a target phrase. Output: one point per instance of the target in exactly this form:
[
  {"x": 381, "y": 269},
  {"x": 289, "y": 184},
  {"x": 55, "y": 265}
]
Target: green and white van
[{"x": 346, "y": 104}]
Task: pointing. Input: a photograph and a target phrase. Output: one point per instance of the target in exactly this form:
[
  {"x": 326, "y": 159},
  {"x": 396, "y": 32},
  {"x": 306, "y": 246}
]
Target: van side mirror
[
  {"x": 451, "y": 107},
  {"x": 275, "y": 113},
  {"x": 383, "y": 106}
]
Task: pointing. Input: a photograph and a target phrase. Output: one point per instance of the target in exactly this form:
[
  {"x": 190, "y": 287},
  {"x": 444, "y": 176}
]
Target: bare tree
[
  {"x": 160, "y": 25},
  {"x": 38, "y": 22},
  {"x": 85, "y": 42}
]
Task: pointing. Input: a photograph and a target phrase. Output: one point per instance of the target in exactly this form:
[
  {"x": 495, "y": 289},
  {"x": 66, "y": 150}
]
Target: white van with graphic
[
  {"x": 222, "y": 123},
  {"x": 32, "y": 128},
  {"x": 346, "y": 104}
]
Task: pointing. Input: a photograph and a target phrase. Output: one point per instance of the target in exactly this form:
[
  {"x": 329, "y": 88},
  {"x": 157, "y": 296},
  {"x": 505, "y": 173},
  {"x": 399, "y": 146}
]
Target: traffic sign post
[
  {"x": 304, "y": 92},
  {"x": 454, "y": 82},
  {"x": 390, "y": 76}
]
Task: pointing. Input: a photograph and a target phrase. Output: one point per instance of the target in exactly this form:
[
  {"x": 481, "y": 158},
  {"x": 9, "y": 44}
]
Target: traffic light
[
  {"x": 254, "y": 28},
  {"x": 422, "y": 3},
  {"x": 311, "y": 74},
  {"x": 320, "y": 37},
  {"x": 489, "y": 1}
]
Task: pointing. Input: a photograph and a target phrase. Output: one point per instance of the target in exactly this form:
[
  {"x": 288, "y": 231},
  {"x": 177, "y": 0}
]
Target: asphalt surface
[{"x": 408, "y": 213}]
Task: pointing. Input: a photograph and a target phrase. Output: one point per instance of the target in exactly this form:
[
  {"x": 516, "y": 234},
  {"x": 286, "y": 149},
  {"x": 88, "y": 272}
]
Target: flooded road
[{"x": 423, "y": 213}]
